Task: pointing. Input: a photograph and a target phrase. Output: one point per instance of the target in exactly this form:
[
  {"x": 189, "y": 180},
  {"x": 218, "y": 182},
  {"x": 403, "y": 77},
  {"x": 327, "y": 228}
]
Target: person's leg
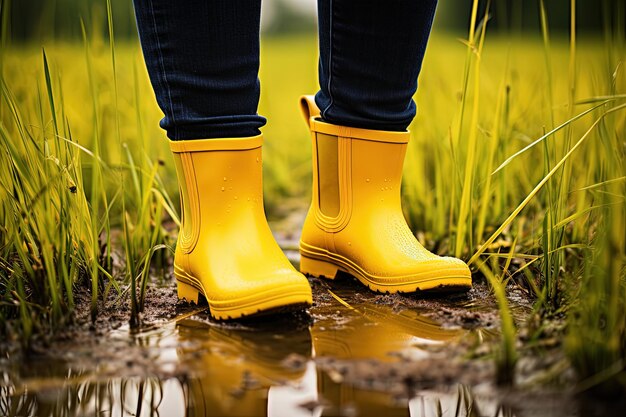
[
  {"x": 203, "y": 60},
  {"x": 371, "y": 53},
  {"x": 370, "y": 56}
]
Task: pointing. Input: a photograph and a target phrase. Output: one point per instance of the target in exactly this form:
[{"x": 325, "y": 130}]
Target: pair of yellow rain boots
[{"x": 226, "y": 251}]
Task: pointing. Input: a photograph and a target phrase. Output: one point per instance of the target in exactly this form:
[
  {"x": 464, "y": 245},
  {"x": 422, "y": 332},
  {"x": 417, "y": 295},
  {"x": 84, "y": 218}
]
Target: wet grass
[{"x": 516, "y": 164}]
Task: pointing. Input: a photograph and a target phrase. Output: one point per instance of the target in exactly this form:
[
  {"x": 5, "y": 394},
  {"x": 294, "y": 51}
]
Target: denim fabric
[
  {"x": 203, "y": 59},
  {"x": 371, "y": 53}
]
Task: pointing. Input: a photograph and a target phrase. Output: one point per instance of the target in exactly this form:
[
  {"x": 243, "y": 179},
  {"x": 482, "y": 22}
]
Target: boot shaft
[
  {"x": 218, "y": 179},
  {"x": 352, "y": 167}
]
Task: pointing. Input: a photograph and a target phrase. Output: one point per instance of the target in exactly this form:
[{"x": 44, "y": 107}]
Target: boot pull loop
[{"x": 308, "y": 108}]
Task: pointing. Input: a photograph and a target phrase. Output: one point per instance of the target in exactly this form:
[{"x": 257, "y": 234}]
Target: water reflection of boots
[
  {"x": 351, "y": 351},
  {"x": 232, "y": 368}
]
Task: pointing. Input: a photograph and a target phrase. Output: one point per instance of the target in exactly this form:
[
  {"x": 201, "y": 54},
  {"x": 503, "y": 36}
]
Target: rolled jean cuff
[
  {"x": 358, "y": 115},
  {"x": 215, "y": 127}
]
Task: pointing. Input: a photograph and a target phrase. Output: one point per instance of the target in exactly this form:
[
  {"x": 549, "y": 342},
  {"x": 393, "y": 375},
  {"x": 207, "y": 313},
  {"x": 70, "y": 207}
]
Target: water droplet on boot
[{"x": 223, "y": 188}]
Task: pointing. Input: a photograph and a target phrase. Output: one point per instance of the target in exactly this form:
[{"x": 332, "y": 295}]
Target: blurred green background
[{"x": 43, "y": 19}]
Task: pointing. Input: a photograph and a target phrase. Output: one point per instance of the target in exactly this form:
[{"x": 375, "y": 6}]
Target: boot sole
[
  {"x": 276, "y": 300},
  {"x": 318, "y": 262}
]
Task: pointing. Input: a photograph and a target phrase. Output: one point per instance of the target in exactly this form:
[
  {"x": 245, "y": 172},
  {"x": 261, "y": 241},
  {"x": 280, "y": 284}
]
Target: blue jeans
[{"x": 203, "y": 61}]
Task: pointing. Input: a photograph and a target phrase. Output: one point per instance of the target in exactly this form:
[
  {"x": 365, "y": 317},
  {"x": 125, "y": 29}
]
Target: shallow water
[{"x": 356, "y": 353}]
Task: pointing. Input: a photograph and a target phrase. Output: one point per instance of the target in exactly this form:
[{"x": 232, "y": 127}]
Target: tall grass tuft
[
  {"x": 548, "y": 125},
  {"x": 63, "y": 199},
  {"x": 596, "y": 343},
  {"x": 48, "y": 241}
]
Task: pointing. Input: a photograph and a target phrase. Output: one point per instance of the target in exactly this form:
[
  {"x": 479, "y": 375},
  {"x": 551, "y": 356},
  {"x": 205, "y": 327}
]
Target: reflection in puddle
[
  {"x": 376, "y": 332},
  {"x": 272, "y": 367},
  {"x": 232, "y": 370}
]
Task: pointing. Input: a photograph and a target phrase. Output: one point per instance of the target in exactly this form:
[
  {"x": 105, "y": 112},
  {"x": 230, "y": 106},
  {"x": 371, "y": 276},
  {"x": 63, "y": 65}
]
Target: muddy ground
[
  {"x": 354, "y": 352},
  {"x": 384, "y": 350}
]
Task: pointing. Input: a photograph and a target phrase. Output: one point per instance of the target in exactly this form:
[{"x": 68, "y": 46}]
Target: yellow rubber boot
[
  {"x": 225, "y": 248},
  {"x": 355, "y": 223}
]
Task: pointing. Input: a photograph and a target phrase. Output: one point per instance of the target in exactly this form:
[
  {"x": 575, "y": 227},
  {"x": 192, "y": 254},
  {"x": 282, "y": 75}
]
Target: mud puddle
[{"x": 354, "y": 353}]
